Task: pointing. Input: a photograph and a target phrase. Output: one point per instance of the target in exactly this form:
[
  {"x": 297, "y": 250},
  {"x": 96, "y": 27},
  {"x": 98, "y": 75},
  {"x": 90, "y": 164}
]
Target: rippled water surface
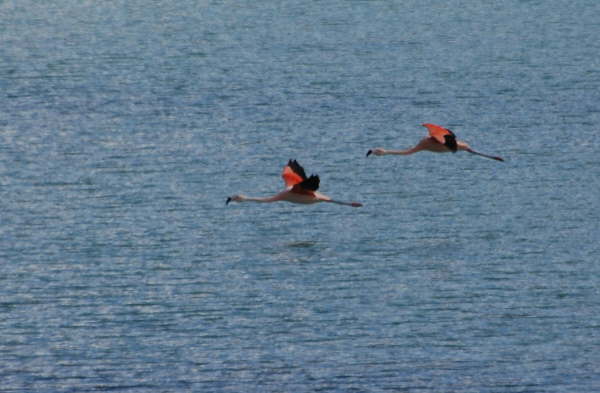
[{"x": 124, "y": 126}]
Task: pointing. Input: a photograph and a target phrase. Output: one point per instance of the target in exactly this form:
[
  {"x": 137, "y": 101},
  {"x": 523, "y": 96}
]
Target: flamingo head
[
  {"x": 377, "y": 152},
  {"x": 235, "y": 198}
]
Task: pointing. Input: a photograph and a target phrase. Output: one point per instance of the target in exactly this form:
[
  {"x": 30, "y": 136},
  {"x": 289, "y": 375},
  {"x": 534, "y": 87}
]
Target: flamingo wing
[
  {"x": 293, "y": 174},
  {"x": 442, "y": 135},
  {"x": 438, "y": 132}
]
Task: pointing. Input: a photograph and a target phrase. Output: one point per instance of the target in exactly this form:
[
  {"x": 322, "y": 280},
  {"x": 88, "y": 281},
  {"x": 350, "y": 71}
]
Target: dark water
[{"x": 125, "y": 125}]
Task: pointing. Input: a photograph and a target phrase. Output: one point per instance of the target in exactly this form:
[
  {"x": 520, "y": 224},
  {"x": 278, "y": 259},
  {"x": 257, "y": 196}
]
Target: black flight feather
[
  {"x": 450, "y": 142},
  {"x": 312, "y": 183},
  {"x": 297, "y": 168}
]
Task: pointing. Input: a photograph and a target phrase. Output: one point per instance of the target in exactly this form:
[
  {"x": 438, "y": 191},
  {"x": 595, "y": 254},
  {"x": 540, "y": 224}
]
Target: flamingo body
[
  {"x": 299, "y": 189},
  {"x": 440, "y": 140}
]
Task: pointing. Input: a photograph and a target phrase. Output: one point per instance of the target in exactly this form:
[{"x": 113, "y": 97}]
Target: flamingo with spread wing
[
  {"x": 299, "y": 189},
  {"x": 440, "y": 140}
]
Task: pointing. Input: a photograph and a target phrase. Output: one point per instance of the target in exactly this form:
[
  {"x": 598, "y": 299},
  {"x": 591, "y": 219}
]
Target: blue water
[{"x": 124, "y": 126}]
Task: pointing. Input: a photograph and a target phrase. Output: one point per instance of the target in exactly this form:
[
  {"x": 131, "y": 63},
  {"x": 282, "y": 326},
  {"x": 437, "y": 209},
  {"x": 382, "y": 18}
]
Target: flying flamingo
[
  {"x": 299, "y": 189},
  {"x": 440, "y": 140}
]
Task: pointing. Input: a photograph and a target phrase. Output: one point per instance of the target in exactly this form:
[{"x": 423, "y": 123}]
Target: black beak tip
[
  {"x": 227, "y": 201},
  {"x": 369, "y": 153}
]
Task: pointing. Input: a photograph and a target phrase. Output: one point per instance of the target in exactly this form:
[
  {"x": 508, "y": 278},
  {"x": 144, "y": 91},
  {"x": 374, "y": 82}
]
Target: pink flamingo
[
  {"x": 299, "y": 189},
  {"x": 440, "y": 140}
]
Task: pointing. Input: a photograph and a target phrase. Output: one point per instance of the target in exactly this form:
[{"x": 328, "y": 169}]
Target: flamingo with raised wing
[
  {"x": 440, "y": 140},
  {"x": 299, "y": 189}
]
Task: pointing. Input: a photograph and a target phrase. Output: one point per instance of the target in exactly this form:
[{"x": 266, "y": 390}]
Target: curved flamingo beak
[
  {"x": 227, "y": 201},
  {"x": 369, "y": 152}
]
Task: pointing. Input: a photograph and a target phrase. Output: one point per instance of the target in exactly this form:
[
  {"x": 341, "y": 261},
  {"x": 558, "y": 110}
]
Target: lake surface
[{"x": 124, "y": 126}]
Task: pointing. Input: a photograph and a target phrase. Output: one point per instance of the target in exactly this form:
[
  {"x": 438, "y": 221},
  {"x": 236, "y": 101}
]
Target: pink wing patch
[
  {"x": 290, "y": 177},
  {"x": 438, "y": 132}
]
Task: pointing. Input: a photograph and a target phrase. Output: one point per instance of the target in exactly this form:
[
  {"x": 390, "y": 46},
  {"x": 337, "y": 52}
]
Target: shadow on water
[
  {"x": 301, "y": 244},
  {"x": 304, "y": 251}
]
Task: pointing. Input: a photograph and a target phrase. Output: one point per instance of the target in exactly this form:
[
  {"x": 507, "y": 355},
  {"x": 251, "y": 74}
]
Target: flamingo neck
[
  {"x": 273, "y": 198},
  {"x": 402, "y": 152}
]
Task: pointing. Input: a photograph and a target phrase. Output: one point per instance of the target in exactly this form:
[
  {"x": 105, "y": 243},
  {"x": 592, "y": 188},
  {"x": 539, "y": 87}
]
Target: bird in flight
[
  {"x": 440, "y": 140},
  {"x": 299, "y": 189}
]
